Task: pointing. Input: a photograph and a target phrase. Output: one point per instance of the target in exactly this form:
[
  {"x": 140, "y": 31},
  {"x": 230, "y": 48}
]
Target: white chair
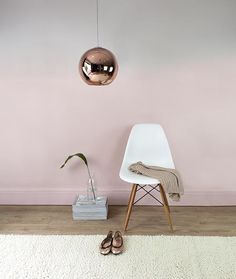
[{"x": 147, "y": 143}]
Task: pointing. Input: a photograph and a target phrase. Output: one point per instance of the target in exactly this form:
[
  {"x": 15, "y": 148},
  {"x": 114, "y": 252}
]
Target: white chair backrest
[{"x": 148, "y": 143}]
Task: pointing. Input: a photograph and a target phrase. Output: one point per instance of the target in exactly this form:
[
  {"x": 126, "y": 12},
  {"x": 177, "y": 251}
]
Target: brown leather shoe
[
  {"x": 117, "y": 243},
  {"x": 105, "y": 246}
]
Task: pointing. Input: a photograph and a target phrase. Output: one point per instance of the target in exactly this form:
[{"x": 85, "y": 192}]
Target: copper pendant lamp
[{"x": 98, "y": 65}]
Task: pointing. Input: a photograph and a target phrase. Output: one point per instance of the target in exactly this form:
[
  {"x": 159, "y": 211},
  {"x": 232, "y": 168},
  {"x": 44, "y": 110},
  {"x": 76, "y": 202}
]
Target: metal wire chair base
[{"x": 153, "y": 187}]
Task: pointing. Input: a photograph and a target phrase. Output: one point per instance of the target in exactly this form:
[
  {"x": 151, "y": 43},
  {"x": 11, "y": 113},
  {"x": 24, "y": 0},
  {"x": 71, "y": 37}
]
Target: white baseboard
[{"x": 115, "y": 197}]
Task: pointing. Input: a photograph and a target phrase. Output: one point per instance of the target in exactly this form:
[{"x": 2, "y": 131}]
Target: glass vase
[{"x": 91, "y": 190}]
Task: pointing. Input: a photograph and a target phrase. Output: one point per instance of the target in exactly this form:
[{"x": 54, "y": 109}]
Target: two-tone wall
[{"x": 177, "y": 65}]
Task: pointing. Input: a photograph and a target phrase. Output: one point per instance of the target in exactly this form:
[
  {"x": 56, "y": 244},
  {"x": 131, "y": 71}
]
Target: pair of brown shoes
[{"x": 112, "y": 243}]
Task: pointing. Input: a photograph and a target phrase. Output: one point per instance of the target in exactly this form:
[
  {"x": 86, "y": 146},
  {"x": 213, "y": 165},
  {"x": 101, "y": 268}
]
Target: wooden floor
[{"x": 218, "y": 221}]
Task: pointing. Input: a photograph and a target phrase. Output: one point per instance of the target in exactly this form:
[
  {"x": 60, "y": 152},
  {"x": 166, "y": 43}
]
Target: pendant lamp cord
[{"x": 97, "y": 26}]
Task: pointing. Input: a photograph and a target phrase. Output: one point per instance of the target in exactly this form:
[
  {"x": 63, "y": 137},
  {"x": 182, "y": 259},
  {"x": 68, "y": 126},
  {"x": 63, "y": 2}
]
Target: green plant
[{"x": 84, "y": 159}]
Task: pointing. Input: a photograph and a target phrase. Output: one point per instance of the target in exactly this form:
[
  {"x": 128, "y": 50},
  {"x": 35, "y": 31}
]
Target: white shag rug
[{"x": 145, "y": 257}]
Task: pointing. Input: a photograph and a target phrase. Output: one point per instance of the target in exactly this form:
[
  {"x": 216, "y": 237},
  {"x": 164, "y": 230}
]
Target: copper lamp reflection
[{"x": 98, "y": 66}]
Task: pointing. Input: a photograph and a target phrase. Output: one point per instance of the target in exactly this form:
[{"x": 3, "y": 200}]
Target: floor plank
[{"x": 218, "y": 221}]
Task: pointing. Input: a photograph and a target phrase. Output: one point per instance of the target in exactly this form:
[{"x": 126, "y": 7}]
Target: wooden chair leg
[
  {"x": 166, "y": 207},
  {"x": 130, "y": 197},
  {"x": 130, "y": 204},
  {"x": 165, "y": 198}
]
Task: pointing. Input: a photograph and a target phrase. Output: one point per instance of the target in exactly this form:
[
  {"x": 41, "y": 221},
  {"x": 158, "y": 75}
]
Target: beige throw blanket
[{"x": 169, "y": 178}]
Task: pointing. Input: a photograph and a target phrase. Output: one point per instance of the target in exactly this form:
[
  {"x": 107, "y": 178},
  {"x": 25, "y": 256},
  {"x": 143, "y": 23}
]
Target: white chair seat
[
  {"x": 146, "y": 143},
  {"x": 134, "y": 178}
]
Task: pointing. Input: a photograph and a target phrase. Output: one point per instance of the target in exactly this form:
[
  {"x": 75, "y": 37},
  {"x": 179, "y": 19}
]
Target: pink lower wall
[{"x": 182, "y": 78}]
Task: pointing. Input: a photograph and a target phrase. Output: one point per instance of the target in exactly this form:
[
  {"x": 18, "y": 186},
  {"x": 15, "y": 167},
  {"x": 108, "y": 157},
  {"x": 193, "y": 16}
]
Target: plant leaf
[{"x": 80, "y": 155}]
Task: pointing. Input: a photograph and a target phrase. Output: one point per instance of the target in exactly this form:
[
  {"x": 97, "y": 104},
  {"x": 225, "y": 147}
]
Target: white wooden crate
[{"x": 90, "y": 211}]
